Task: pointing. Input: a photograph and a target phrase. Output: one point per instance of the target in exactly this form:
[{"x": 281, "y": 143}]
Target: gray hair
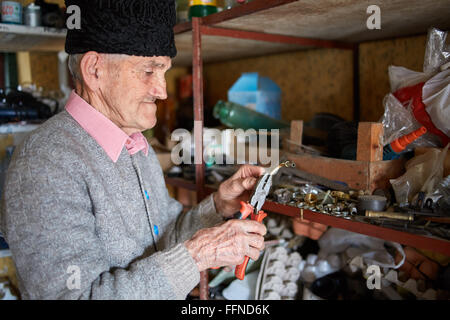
[
  {"x": 74, "y": 66},
  {"x": 75, "y": 60}
]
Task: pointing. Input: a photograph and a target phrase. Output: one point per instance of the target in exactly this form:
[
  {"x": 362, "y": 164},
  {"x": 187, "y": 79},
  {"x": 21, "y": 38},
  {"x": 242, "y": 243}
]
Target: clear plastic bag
[
  {"x": 399, "y": 121},
  {"x": 437, "y": 52},
  {"x": 436, "y": 97},
  {"x": 423, "y": 173},
  {"x": 400, "y": 77},
  {"x": 434, "y": 112},
  {"x": 371, "y": 250}
]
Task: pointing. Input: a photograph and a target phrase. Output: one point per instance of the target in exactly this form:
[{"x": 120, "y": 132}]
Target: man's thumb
[
  {"x": 249, "y": 183},
  {"x": 240, "y": 185}
]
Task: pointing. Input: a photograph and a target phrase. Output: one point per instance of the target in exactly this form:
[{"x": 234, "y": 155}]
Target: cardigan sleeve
[
  {"x": 183, "y": 225},
  {"x": 203, "y": 215}
]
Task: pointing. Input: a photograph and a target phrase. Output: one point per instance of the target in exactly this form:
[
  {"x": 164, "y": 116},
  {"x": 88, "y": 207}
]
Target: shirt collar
[{"x": 109, "y": 136}]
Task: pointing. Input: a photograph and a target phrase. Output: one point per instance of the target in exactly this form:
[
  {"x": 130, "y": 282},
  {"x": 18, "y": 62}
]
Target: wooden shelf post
[
  {"x": 370, "y": 147},
  {"x": 296, "y": 135}
]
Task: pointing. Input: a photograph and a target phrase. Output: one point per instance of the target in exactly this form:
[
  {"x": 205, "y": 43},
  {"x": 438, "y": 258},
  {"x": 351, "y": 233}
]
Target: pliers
[{"x": 253, "y": 207}]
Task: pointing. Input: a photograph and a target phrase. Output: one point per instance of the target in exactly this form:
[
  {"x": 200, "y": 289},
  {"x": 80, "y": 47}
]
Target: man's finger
[
  {"x": 256, "y": 241},
  {"x": 249, "y": 183},
  {"x": 246, "y": 183},
  {"x": 228, "y": 268},
  {"x": 247, "y": 170},
  {"x": 253, "y": 253},
  {"x": 240, "y": 185},
  {"x": 251, "y": 226}
]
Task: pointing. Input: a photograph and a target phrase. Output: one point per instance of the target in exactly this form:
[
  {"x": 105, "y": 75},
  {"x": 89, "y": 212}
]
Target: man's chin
[{"x": 150, "y": 125}]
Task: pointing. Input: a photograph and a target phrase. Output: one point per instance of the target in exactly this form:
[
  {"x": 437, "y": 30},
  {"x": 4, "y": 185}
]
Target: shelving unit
[
  {"x": 262, "y": 27},
  {"x": 405, "y": 238},
  {"x": 24, "y": 38},
  {"x": 5, "y": 253},
  {"x": 265, "y": 27}
]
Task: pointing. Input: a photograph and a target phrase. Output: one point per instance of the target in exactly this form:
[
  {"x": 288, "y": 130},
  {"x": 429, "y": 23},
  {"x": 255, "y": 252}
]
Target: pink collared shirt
[{"x": 109, "y": 136}]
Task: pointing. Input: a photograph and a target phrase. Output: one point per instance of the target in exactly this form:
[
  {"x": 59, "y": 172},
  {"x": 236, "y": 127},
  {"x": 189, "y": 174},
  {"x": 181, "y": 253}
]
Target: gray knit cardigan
[{"x": 80, "y": 226}]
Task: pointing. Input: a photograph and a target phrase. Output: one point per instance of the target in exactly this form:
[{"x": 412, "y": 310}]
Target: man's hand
[
  {"x": 227, "y": 244},
  {"x": 236, "y": 189}
]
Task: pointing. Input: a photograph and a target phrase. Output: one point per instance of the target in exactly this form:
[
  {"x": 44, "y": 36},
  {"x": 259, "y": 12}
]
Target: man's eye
[{"x": 148, "y": 73}]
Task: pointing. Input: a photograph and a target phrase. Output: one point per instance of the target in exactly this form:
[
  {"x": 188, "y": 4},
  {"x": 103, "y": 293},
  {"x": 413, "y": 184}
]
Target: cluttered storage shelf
[
  {"x": 364, "y": 174},
  {"x": 427, "y": 242},
  {"x": 25, "y": 38},
  {"x": 264, "y": 27},
  {"x": 261, "y": 28}
]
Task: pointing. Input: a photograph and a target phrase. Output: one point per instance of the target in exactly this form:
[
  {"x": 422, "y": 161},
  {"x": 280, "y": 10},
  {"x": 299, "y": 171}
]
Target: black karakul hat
[{"x": 132, "y": 27}]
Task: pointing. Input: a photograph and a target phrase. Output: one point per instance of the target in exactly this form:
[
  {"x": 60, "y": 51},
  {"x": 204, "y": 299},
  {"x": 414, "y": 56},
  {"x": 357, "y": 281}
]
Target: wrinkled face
[{"x": 134, "y": 85}]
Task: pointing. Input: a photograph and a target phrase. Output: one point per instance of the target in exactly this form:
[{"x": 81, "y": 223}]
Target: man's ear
[{"x": 91, "y": 66}]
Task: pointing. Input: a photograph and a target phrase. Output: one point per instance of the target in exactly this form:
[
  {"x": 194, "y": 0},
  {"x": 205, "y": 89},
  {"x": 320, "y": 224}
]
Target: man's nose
[{"x": 159, "y": 89}]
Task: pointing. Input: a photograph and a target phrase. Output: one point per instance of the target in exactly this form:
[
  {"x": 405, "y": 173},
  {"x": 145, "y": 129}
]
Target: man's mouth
[{"x": 150, "y": 101}]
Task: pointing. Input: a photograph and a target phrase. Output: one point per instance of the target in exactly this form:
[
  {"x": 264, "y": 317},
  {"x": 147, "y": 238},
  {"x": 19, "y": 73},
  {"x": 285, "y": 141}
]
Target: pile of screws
[{"x": 336, "y": 203}]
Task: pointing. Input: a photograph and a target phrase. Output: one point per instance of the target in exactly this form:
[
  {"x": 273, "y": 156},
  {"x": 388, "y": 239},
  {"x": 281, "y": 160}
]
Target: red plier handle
[{"x": 246, "y": 210}]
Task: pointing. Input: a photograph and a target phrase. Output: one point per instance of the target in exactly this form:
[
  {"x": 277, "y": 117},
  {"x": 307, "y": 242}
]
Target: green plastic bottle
[
  {"x": 201, "y": 8},
  {"x": 237, "y": 116}
]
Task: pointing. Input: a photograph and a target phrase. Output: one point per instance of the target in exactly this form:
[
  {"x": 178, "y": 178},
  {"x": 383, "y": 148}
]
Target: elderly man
[{"x": 85, "y": 208}]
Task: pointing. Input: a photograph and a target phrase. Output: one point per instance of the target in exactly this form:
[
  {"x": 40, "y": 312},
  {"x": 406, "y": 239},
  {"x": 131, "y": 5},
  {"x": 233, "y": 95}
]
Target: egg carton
[
  {"x": 313, "y": 267},
  {"x": 278, "y": 276},
  {"x": 411, "y": 286},
  {"x": 279, "y": 227},
  {"x": 392, "y": 277}
]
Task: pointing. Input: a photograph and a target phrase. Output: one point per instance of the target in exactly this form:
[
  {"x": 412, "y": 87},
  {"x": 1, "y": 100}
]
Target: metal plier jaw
[
  {"x": 253, "y": 207},
  {"x": 261, "y": 192},
  {"x": 257, "y": 198}
]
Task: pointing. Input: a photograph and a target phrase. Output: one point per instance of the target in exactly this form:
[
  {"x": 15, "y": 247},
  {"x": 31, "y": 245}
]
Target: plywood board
[
  {"x": 216, "y": 48},
  {"x": 44, "y": 70},
  {"x": 345, "y": 20},
  {"x": 374, "y": 60},
  {"x": 311, "y": 81}
]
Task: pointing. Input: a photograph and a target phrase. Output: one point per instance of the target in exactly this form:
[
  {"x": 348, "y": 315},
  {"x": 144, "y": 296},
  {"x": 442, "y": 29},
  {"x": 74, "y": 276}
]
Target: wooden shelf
[
  {"x": 338, "y": 20},
  {"x": 24, "y": 38},
  {"x": 181, "y": 183},
  {"x": 186, "y": 184},
  {"x": 403, "y": 237},
  {"x": 323, "y": 22},
  {"x": 4, "y": 253}
]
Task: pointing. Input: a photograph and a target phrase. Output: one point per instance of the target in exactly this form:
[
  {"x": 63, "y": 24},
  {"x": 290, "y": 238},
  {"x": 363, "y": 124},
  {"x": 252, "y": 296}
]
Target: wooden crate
[{"x": 368, "y": 172}]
